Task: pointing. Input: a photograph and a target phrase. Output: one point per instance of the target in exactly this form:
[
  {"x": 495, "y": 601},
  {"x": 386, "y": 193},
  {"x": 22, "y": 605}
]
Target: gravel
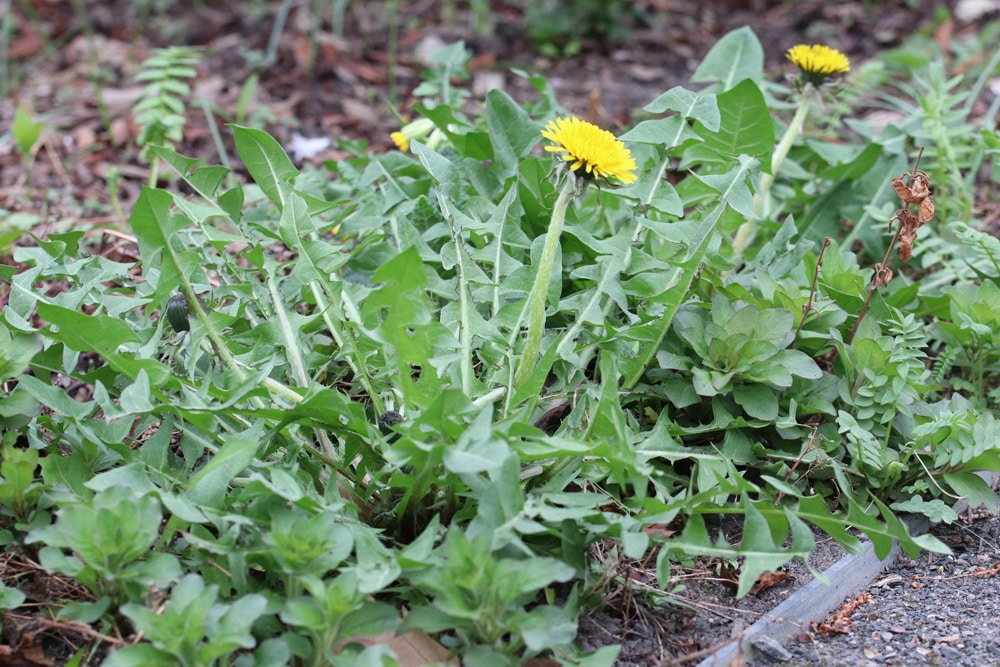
[{"x": 935, "y": 610}]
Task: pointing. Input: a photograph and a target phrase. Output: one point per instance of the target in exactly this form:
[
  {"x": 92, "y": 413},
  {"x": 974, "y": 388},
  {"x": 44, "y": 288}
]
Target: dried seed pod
[
  {"x": 918, "y": 190},
  {"x": 906, "y": 246},
  {"x": 882, "y": 276},
  {"x": 926, "y": 209},
  {"x": 902, "y": 190},
  {"x": 919, "y": 187},
  {"x": 177, "y": 313}
]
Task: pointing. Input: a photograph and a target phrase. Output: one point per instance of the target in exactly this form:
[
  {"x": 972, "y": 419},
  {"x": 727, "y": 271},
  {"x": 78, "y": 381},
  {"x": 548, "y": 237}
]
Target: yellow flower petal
[
  {"x": 402, "y": 143},
  {"x": 818, "y": 61},
  {"x": 597, "y": 151}
]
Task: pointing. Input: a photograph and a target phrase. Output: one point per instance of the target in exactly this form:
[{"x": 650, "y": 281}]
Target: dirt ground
[{"x": 77, "y": 77}]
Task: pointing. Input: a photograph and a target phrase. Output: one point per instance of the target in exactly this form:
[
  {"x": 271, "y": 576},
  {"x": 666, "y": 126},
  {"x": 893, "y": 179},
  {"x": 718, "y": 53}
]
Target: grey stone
[{"x": 772, "y": 649}]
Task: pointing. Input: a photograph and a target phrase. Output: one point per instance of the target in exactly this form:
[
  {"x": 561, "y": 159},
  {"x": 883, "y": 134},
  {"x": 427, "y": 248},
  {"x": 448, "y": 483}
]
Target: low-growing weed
[{"x": 411, "y": 392}]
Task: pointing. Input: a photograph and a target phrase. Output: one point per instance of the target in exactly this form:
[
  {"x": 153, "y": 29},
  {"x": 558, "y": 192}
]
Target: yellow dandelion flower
[
  {"x": 418, "y": 129},
  {"x": 818, "y": 61},
  {"x": 597, "y": 152},
  {"x": 402, "y": 143}
]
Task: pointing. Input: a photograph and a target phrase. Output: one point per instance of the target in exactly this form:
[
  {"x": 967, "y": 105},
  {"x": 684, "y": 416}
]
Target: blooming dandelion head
[
  {"x": 402, "y": 143},
  {"x": 418, "y": 129},
  {"x": 590, "y": 150},
  {"x": 818, "y": 62}
]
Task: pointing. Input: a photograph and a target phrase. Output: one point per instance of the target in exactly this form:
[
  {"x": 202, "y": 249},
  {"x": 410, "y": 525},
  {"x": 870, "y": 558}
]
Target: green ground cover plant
[{"x": 411, "y": 390}]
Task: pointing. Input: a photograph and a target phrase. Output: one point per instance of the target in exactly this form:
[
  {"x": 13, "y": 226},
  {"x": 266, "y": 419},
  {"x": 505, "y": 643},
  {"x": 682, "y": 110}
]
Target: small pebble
[
  {"x": 949, "y": 653},
  {"x": 772, "y": 649}
]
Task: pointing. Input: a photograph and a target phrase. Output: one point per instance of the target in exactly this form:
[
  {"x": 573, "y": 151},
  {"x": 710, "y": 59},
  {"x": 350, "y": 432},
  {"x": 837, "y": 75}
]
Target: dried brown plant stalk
[
  {"x": 809, "y": 307},
  {"x": 917, "y": 192}
]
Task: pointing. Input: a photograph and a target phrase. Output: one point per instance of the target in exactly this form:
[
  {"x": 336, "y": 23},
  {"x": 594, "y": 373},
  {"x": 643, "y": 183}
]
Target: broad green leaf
[
  {"x": 140, "y": 655},
  {"x": 204, "y": 179},
  {"x": 136, "y": 398},
  {"x": 16, "y": 352},
  {"x": 154, "y": 228},
  {"x": 746, "y": 127},
  {"x": 92, "y": 333},
  {"x": 975, "y": 491},
  {"x": 295, "y": 226},
  {"x": 667, "y": 132},
  {"x": 25, "y": 129},
  {"x": 209, "y": 485},
  {"x": 761, "y": 551},
  {"x": 546, "y": 627},
  {"x": 933, "y": 509},
  {"x": 131, "y": 476},
  {"x": 737, "y": 56},
  {"x": 512, "y": 131},
  {"x": 800, "y": 364},
  {"x": 696, "y": 106},
  {"x": 443, "y": 170},
  {"x": 651, "y": 332},
  {"x": 759, "y": 401},
  {"x": 266, "y": 160},
  {"x": 10, "y": 598},
  {"x": 72, "y": 471},
  {"x": 468, "y": 144},
  {"x": 853, "y": 168},
  {"x": 304, "y": 613},
  {"x": 478, "y": 449}
]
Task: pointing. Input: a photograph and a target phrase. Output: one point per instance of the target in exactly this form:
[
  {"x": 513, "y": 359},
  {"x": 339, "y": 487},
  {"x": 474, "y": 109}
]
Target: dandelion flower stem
[
  {"x": 540, "y": 288},
  {"x": 762, "y": 200}
]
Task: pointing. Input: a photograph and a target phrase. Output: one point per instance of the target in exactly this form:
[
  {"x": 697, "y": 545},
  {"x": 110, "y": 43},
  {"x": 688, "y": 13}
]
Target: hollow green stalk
[
  {"x": 762, "y": 200},
  {"x": 540, "y": 288}
]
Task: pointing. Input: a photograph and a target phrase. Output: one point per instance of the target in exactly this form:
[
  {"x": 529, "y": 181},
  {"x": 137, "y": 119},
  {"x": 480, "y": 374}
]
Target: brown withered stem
[
  {"x": 809, "y": 308},
  {"x": 788, "y": 476},
  {"x": 908, "y": 223}
]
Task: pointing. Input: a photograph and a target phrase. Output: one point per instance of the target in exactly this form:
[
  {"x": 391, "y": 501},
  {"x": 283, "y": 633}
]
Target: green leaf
[
  {"x": 154, "y": 226},
  {"x": 650, "y": 332},
  {"x": 800, "y": 364},
  {"x": 814, "y": 510},
  {"x": 761, "y": 552},
  {"x": 512, "y": 132},
  {"x": 87, "y": 333},
  {"x": 758, "y": 401},
  {"x": 668, "y": 132},
  {"x": 933, "y": 509},
  {"x": 695, "y": 106},
  {"x": 474, "y": 145},
  {"x": 854, "y": 168},
  {"x": 441, "y": 169},
  {"x": 136, "y": 398},
  {"x": 140, "y": 655},
  {"x": 10, "y": 598},
  {"x": 746, "y": 127},
  {"x": 231, "y": 201},
  {"x": 205, "y": 180},
  {"x": 477, "y": 450},
  {"x": 25, "y": 129},
  {"x": 16, "y": 352},
  {"x": 303, "y": 613},
  {"x": 210, "y": 484},
  {"x": 975, "y": 490},
  {"x": 737, "y": 56},
  {"x": 266, "y": 160}
]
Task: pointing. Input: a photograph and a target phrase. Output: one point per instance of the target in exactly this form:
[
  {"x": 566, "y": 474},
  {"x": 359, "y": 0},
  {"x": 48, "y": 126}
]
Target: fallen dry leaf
[
  {"x": 768, "y": 580},
  {"x": 840, "y": 622}
]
